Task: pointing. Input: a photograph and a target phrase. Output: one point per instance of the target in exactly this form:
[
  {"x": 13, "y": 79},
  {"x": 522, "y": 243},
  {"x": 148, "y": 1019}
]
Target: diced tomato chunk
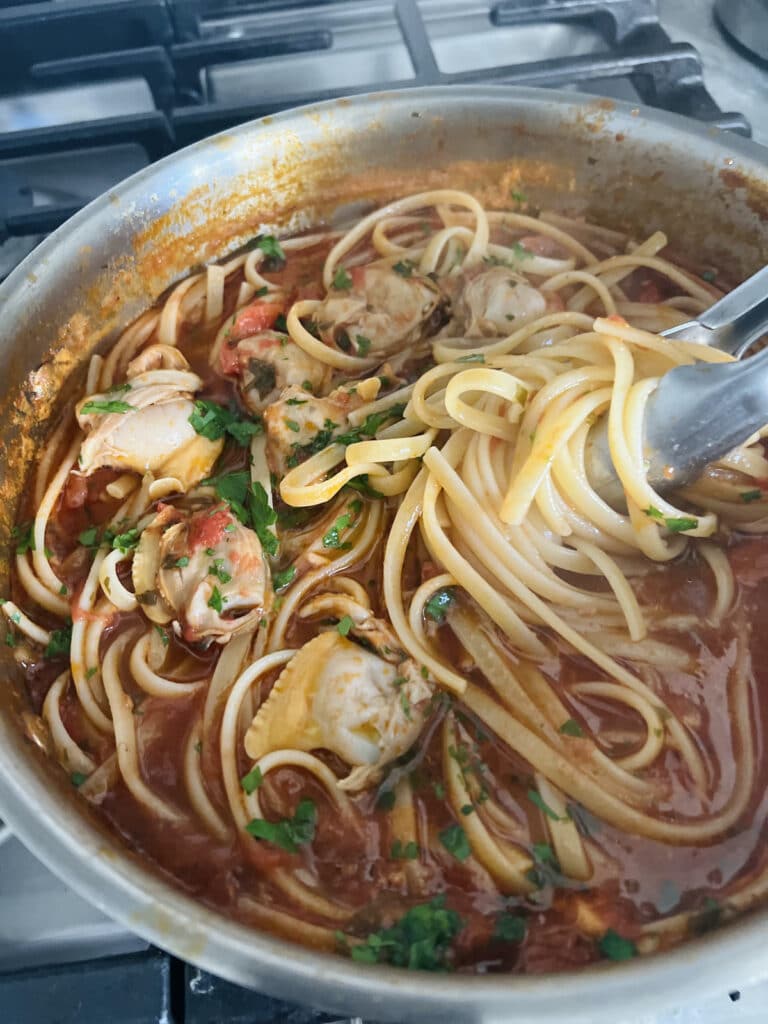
[
  {"x": 207, "y": 529},
  {"x": 228, "y": 359},
  {"x": 259, "y": 316}
]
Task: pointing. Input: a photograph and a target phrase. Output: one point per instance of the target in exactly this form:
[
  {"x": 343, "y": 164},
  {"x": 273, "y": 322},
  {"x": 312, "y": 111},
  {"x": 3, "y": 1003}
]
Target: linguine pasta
[{"x": 317, "y": 602}]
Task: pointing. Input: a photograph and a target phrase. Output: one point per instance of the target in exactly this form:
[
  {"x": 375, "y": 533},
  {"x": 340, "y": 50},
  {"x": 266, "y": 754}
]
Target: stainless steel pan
[{"x": 621, "y": 166}]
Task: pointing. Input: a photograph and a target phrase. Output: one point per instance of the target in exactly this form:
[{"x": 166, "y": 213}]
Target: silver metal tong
[{"x": 698, "y": 413}]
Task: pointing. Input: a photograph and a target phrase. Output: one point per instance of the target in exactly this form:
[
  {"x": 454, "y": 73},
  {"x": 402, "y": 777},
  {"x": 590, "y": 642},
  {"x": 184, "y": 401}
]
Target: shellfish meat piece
[
  {"x": 335, "y": 695},
  {"x": 144, "y": 426}
]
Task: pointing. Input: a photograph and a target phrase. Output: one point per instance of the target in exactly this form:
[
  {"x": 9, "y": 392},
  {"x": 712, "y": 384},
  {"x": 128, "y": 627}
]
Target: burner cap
[{"x": 746, "y": 21}]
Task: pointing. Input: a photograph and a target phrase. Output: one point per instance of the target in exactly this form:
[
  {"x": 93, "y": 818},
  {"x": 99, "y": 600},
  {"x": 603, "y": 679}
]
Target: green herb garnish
[
  {"x": 59, "y": 644},
  {"x": 536, "y": 798},
  {"x": 341, "y": 280},
  {"x": 344, "y": 625},
  {"x": 454, "y": 839},
  {"x": 89, "y": 538},
  {"x": 363, "y": 344},
  {"x": 404, "y": 268},
  {"x": 404, "y": 851},
  {"x": 332, "y": 538},
  {"x": 115, "y": 406},
  {"x": 213, "y": 421},
  {"x": 747, "y": 496},
  {"x": 252, "y": 780},
  {"x": 25, "y": 537},
  {"x": 216, "y": 601},
  {"x": 216, "y": 568},
  {"x": 420, "y": 940},
  {"x": 290, "y": 833},
  {"x": 270, "y": 246},
  {"x": 438, "y": 604},
  {"x": 615, "y": 947},
  {"x": 77, "y": 779},
  {"x": 509, "y": 927},
  {"x": 280, "y": 580},
  {"x": 673, "y": 524},
  {"x": 571, "y": 727},
  {"x": 249, "y": 503}
]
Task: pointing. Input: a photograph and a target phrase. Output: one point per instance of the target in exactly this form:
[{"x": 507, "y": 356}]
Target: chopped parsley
[
  {"x": 125, "y": 542},
  {"x": 114, "y": 406},
  {"x": 25, "y": 537},
  {"x": 10, "y": 639},
  {"x": 216, "y": 568},
  {"x": 404, "y": 268},
  {"x": 270, "y": 246},
  {"x": 213, "y": 421},
  {"x": 438, "y": 604},
  {"x": 325, "y": 437},
  {"x": 58, "y": 645},
  {"x": 180, "y": 563},
  {"x": 519, "y": 197},
  {"x": 290, "y": 833},
  {"x": 536, "y": 798},
  {"x": 674, "y": 524},
  {"x": 420, "y": 940},
  {"x": 162, "y": 634},
  {"x": 405, "y": 704},
  {"x": 341, "y": 280},
  {"x": 475, "y": 357},
  {"x": 91, "y": 672},
  {"x": 571, "y": 728},
  {"x": 252, "y": 780},
  {"x": 280, "y": 580},
  {"x": 404, "y": 851},
  {"x": 363, "y": 344},
  {"x": 454, "y": 839},
  {"x": 89, "y": 538},
  {"x": 344, "y": 625},
  {"x": 296, "y": 401},
  {"x": 747, "y": 496},
  {"x": 264, "y": 377},
  {"x": 77, "y": 779},
  {"x": 92, "y": 537},
  {"x": 293, "y": 425},
  {"x": 361, "y": 485},
  {"x": 216, "y": 601},
  {"x": 386, "y": 800},
  {"x": 615, "y": 947},
  {"x": 332, "y": 538},
  {"x": 708, "y": 275},
  {"x": 509, "y": 927},
  {"x": 544, "y": 854},
  {"x": 249, "y": 503}
]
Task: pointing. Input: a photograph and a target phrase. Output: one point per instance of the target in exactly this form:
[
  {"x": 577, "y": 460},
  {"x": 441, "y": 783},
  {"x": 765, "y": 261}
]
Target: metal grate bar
[
  {"x": 164, "y": 42},
  {"x": 618, "y": 19}
]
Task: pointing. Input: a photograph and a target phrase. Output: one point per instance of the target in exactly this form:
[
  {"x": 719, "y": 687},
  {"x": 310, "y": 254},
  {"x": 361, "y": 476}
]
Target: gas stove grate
[{"x": 167, "y": 56}]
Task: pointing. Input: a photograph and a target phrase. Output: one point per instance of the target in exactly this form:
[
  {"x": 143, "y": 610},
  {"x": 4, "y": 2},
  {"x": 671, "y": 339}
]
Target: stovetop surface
[{"x": 72, "y": 126}]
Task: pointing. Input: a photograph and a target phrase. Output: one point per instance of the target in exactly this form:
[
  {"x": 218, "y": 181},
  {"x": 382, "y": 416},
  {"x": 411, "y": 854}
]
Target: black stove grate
[{"x": 170, "y": 46}]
